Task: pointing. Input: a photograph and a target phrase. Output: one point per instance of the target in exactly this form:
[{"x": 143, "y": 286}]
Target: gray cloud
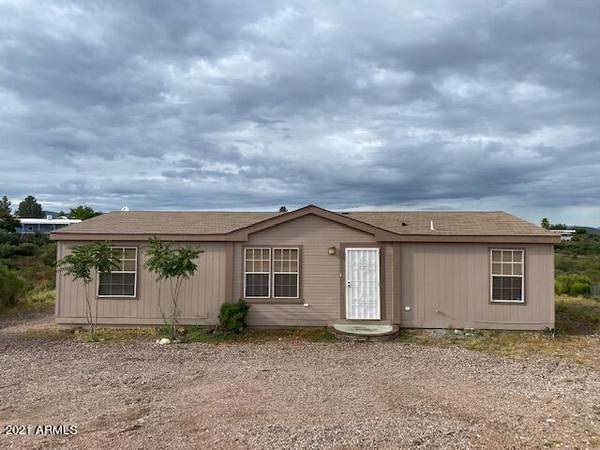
[{"x": 250, "y": 105}]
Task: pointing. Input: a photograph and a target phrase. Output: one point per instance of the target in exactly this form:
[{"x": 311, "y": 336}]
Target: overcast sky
[{"x": 348, "y": 105}]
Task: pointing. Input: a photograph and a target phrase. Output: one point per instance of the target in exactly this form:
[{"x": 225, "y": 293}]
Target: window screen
[
  {"x": 285, "y": 272},
  {"x": 257, "y": 272},
  {"x": 121, "y": 281},
  {"x": 507, "y": 272}
]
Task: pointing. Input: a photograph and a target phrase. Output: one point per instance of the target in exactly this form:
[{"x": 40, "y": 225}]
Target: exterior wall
[
  {"x": 448, "y": 285},
  {"x": 444, "y": 285},
  {"x": 319, "y": 272},
  {"x": 200, "y": 298}
]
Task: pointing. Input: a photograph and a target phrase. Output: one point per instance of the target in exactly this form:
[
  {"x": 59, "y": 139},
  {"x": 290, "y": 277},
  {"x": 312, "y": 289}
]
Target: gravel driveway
[{"x": 291, "y": 395}]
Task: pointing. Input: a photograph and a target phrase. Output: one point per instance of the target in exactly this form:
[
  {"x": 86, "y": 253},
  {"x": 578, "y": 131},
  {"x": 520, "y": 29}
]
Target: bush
[
  {"x": 232, "y": 316},
  {"x": 48, "y": 254},
  {"x": 12, "y": 287},
  {"x": 8, "y": 250},
  {"x": 572, "y": 284},
  {"x": 6, "y": 237},
  {"x": 26, "y": 249}
]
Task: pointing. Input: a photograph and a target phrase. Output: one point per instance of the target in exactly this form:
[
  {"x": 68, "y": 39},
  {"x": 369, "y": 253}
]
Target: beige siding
[
  {"x": 448, "y": 285},
  {"x": 200, "y": 299},
  {"x": 444, "y": 285},
  {"x": 320, "y": 272}
]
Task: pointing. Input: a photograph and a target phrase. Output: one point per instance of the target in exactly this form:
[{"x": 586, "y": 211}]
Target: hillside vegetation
[
  {"x": 577, "y": 264},
  {"x": 27, "y": 271}
]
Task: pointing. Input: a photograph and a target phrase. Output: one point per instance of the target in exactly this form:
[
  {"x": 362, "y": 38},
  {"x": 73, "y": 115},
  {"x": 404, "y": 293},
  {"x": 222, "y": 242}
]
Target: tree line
[{"x": 30, "y": 208}]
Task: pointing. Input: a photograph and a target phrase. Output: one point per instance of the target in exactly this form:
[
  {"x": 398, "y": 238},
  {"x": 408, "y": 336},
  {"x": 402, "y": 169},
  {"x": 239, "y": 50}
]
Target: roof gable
[{"x": 378, "y": 233}]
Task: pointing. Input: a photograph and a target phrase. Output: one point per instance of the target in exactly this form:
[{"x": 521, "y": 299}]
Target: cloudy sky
[{"x": 348, "y": 105}]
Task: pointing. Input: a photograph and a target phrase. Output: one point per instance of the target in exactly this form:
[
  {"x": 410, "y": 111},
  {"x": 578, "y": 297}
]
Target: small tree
[
  {"x": 83, "y": 212},
  {"x": 545, "y": 223},
  {"x": 5, "y": 206},
  {"x": 172, "y": 266},
  {"x": 7, "y": 221},
  {"x": 30, "y": 207},
  {"x": 81, "y": 264}
]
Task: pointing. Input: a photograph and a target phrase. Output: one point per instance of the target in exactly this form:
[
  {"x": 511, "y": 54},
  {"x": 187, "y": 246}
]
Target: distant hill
[{"x": 590, "y": 230}]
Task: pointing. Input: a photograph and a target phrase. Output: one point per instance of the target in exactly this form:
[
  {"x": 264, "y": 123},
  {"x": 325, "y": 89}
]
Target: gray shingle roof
[{"x": 216, "y": 223}]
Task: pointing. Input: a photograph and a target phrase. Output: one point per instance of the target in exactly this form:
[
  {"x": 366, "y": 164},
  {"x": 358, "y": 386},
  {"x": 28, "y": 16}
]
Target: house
[
  {"x": 565, "y": 235},
  {"x": 43, "y": 226},
  {"x": 314, "y": 267}
]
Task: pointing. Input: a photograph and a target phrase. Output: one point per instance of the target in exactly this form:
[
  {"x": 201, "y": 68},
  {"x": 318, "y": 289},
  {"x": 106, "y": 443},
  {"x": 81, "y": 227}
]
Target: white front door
[{"x": 362, "y": 283}]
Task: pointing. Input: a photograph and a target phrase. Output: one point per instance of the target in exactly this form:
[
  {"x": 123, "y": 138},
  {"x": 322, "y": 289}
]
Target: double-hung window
[
  {"x": 271, "y": 272},
  {"x": 508, "y": 275},
  {"x": 121, "y": 281},
  {"x": 257, "y": 272},
  {"x": 285, "y": 272}
]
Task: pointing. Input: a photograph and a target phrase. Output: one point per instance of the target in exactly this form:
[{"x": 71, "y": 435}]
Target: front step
[{"x": 364, "y": 332}]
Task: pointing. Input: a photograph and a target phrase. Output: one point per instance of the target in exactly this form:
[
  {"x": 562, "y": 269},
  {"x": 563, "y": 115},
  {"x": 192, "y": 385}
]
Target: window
[
  {"x": 257, "y": 272},
  {"x": 285, "y": 272},
  {"x": 507, "y": 272},
  {"x": 121, "y": 281}
]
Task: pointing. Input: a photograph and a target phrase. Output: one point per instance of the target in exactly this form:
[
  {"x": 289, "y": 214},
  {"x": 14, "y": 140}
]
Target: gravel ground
[{"x": 290, "y": 395}]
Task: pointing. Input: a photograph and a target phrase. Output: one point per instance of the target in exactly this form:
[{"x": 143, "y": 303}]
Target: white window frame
[
  {"x": 297, "y": 273},
  {"x": 121, "y": 271},
  {"x": 522, "y": 276},
  {"x": 256, "y": 273}
]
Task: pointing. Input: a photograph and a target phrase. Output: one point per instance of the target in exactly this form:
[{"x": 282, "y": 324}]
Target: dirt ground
[{"x": 289, "y": 395}]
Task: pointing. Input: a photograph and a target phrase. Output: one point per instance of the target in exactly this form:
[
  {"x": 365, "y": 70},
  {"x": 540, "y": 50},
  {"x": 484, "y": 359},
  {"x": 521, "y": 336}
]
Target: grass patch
[
  {"x": 192, "y": 335},
  {"x": 578, "y": 315},
  {"x": 54, "y": 333},
  {"x": 40, "y": 298},
  {"x": 577, "y": 318},
  {"x": 519, "y": 345},
  {"x": 259, "y": 335}
]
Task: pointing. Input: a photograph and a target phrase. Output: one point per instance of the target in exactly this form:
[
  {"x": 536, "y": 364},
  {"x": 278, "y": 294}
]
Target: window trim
[
  {"x": 262, "y": 273},
  {"x": 297, "y": 273},
  {"x": 522, "y": 276},
  {"x": 135, "y": 278}
]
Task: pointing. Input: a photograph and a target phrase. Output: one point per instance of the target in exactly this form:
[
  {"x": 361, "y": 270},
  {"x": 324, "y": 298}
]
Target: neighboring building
[
  {"x": 565, "y": 235},
  {"x": 43, "y": 226},
  {"x": 314, "y": 267}
]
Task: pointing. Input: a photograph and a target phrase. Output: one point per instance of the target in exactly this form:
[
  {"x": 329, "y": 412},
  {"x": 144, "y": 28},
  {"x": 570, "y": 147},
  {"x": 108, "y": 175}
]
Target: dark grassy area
[
  {"x": 577, "y": 315},
  {"x": 32, "y": 259},
  {"x": 190, "y": 335},
  {"x": 259, "y": 335}
]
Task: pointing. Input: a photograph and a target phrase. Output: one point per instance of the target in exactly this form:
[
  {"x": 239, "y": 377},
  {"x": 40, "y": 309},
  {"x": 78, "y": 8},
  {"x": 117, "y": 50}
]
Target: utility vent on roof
[
  {"x": 345, "y": 213},
  {"x": 431, "y": 225}
]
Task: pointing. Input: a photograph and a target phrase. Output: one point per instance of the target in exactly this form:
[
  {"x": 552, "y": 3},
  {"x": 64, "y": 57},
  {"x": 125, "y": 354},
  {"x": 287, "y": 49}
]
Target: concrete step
[{"x": 364, "y": 332}]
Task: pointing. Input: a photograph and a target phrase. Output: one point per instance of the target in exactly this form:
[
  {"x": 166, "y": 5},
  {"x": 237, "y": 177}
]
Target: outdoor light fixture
[{"x": 331, "y": 250}]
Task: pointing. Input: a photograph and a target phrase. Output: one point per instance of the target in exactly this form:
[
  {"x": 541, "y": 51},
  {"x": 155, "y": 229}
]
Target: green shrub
[
  {"x": 47, "y": 254},
  {"x": 12, "y": 287},
  {"x": 6, "y": 237},
  {"x": 26, "y": 249},
  {"x": 8, "y": 250},
  {"x": 572, "y": 284},
  {"x": 232, "y": 316}
]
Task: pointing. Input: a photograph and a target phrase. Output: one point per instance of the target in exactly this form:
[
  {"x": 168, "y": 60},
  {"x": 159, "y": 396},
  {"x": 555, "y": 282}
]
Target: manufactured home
[
  {"x": 315, "y": 267},
  {"x": 29, "y": 225}
]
